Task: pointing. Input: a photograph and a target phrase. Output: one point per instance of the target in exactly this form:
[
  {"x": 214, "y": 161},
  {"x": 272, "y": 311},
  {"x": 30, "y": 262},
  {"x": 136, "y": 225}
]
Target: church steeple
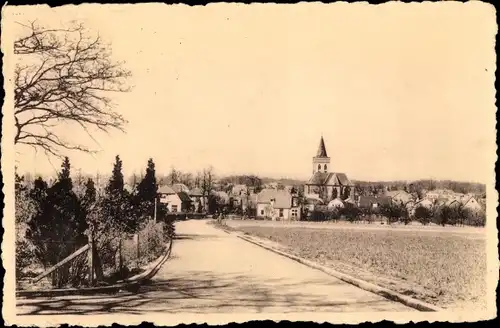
[
  {"x": 321, "y": 161},
  {"x": 321, "y": 149}
]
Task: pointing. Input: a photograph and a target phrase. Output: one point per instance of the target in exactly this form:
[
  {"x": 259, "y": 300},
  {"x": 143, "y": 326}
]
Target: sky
[{"x": 401, "y": 91}]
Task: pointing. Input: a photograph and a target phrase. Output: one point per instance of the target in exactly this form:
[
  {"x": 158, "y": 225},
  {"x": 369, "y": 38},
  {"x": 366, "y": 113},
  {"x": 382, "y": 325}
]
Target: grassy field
[{"x": 445, "y": 268}]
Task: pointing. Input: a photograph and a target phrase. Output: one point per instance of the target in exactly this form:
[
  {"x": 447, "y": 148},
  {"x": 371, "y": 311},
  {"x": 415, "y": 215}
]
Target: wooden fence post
[{"x": 136, "y": 242}]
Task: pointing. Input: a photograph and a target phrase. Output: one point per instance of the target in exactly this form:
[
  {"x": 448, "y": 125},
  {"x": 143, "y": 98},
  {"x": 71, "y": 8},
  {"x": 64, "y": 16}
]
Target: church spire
[{"x": 321, "y": 149}]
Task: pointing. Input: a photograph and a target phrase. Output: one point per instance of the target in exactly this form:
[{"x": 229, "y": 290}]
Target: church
[{"x": 325, "y": 184}]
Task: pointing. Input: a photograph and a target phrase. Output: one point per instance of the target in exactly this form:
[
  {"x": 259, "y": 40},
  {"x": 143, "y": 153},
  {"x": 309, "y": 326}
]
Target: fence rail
[{"x": 107, "y": 260}]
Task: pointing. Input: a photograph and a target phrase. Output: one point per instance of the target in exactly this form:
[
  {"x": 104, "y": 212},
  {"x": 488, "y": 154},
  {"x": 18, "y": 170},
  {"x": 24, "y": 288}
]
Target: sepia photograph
[{"x": 236, "y": 162}]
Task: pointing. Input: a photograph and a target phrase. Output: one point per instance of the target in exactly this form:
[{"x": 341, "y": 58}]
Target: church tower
[{"x": 321, "y": 162}]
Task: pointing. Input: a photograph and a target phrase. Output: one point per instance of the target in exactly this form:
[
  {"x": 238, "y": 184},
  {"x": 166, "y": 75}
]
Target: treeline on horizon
[{"x": 193, "y": 180}]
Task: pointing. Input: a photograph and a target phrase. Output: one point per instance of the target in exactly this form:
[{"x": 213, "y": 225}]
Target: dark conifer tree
[
  {"x": 116, "y": 184},
  {"x": 148, "y": 188},
  {"x": 58, "y": 228}
]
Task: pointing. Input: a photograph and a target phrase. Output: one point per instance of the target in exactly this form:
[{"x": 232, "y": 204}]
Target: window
[
  {"x": 174, "y": 208},
  {"x": 325, "y": 167},
  {"x": 319, "y": 167},
  {"x": 261, "y": 212},
  {"x": 281, "y": 212},
  {"x": 294, "y": 213}
]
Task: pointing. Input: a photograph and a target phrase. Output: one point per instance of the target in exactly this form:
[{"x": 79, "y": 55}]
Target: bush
[
  {"x": 152, "y": 241},
  {"x": 317, "y": 215},
  {"x": 351, "y": 213},
  {"x": 333, "y": 215},
  {"x": 423, "y": 215},
  {"x": 394, "y": 213}
]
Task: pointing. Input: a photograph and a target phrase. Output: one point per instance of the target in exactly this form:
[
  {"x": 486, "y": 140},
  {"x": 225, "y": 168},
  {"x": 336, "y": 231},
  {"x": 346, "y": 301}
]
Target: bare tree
[
  {"x": 64, "y": 75},
  {"x": 174, "y": 175},
  {"x": 186, "y": 179},
  {"x": 197, "y": 180},
  {"x": 207, "y": 182}
]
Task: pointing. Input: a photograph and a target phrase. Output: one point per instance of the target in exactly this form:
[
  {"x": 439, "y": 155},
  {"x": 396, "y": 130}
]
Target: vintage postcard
[{"x": 229, "y": 162}]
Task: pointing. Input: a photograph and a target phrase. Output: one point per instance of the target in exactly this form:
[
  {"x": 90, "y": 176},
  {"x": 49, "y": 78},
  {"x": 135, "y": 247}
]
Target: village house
[
  {"x": 328, "y": 185},
  {"x": 170, "y": 198},
  {"x": 238, "y": 192},
  {"x": 469, "y": 202},
  {"x": 186, "y": 202},
  {"x": 336, "y": 203},
  {"x": 443, "y": 193},
  {"x": 399, "y": 196},
  {"x": 198, "y": 199},
  {"x": 278, "y": 205},
  {"x": 311, "y": 201},
  {"x": 373, "y": 201},
  {"x": 427, "y": 203}
]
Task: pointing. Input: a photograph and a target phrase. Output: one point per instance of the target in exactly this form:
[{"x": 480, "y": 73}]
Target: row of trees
[
  {"x": 56, "y": 220},
  {"x": 418, "y": 187},
  {"x": 393, "y": 213}
]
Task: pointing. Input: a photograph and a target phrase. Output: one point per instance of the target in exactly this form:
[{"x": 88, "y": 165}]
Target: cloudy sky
[{"x": 398, "y": 91}]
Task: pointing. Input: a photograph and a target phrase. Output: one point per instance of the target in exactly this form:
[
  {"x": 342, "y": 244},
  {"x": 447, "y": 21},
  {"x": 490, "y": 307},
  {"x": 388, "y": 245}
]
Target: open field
[
  {"x": 442, "y": 266},
  {"x": 478, "y": 232}
]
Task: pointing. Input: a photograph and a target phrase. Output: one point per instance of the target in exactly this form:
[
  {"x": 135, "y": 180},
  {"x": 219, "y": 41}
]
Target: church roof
[
  {"x": 335, "y": 179},
  {"x": 319, "y": 178},
  {"x": 342, "y": 177},
  {"x": 322, "y": 149}
]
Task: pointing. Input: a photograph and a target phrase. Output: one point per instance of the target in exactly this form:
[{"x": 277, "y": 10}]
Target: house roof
[
  {"x": 195, "y": 192},
  {"x": 184, "y": 196},
  {"x": 336, "y": 179},
  {"x": 336, "y": 201},
  {"x": 370, "y": 200},
  {"x": 321, "y": 149},
  {"x": 166, "y": 190},
  {"x": 178, "y": 187},
  {"x": 423, "y": 201},
  {"x": 282, "y": 199},
  {"x": 313, "y": 201},
  {"x": 466, "y": 199}
]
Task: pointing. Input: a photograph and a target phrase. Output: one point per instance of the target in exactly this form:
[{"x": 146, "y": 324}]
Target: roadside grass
[{"x": 444, "y": 269}]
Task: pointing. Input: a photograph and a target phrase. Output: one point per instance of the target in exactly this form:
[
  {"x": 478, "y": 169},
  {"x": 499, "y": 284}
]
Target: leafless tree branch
[{"x": 63, "y": 77}]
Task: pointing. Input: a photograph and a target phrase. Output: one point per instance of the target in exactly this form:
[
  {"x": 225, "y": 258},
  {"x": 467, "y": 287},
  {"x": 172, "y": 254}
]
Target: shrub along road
[{"x": 214, "y": 272}]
